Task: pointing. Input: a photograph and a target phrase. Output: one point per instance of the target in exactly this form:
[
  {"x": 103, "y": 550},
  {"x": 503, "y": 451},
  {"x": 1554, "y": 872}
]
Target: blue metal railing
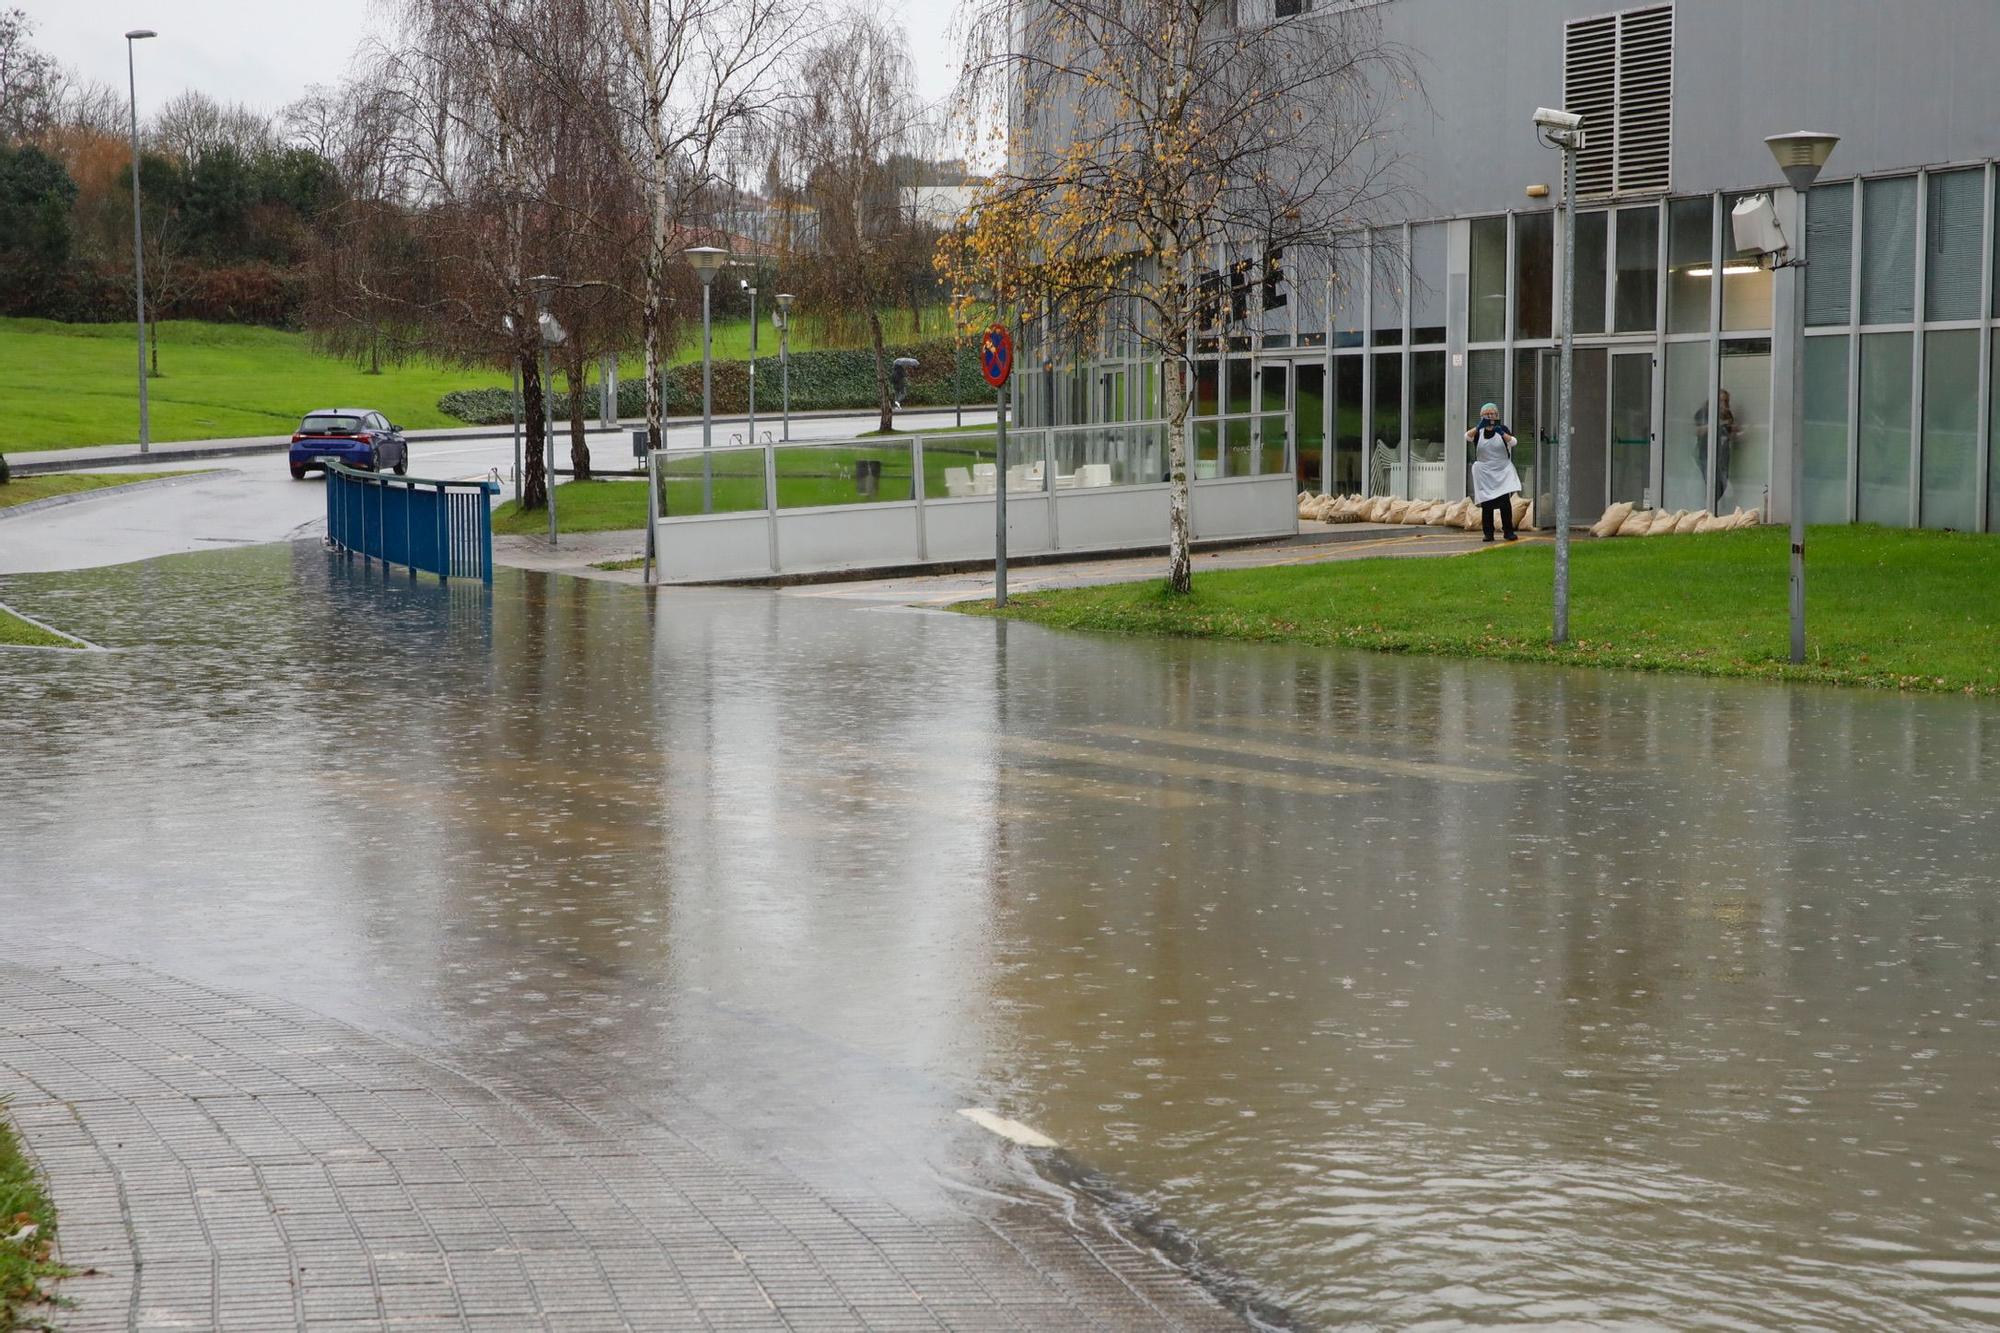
[{"x": 445, "y": 527}]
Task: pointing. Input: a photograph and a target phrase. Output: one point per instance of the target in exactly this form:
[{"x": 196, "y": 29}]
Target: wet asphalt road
[{"x": 1418, "y": 992}]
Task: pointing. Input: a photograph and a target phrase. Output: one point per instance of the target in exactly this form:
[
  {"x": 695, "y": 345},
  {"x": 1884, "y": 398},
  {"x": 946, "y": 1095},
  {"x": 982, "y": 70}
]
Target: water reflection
[{"x": 1419, "y": 991}]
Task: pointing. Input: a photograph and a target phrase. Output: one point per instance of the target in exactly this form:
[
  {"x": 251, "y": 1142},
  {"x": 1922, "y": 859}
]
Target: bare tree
[
  {"x": 1151, "y": 142},
  {"x": 191, "y": 125},
  {"x": 694, "y": 72},
  {"x": 39, "y": 96},
  {"x": 848, "y": 140}
]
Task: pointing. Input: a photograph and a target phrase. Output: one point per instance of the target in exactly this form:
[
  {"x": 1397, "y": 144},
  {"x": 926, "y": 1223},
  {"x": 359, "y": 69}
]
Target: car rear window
[{"x": 329, "y": 425}]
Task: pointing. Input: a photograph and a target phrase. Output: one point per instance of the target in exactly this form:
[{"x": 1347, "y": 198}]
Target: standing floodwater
[{"x": 1411, "y": 991}]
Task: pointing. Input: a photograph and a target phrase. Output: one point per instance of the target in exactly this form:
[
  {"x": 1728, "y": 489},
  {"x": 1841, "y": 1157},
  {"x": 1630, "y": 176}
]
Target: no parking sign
[{"x": 996, "y": 355}]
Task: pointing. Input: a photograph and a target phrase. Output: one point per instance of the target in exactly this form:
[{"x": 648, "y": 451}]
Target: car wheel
[
  {"x": 403, "y": 463},
  {"x": 298, "y": 474}
]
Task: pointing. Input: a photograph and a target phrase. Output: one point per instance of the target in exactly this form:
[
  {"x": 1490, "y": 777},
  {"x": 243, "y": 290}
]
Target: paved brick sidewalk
[{"x": 227, "y": 1162}]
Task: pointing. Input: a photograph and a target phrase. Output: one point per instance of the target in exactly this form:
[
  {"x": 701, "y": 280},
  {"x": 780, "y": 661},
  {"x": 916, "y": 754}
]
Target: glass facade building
[{"x": 1379, "y": 358}]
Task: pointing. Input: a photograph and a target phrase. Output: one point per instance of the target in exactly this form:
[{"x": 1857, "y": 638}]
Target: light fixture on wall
[{"x": 1729, "y": 270}]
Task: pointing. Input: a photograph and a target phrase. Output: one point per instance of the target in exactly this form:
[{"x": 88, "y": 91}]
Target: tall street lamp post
[
  {"x": 507, "y": 327},
  {"x": 1563, "y": 131},
  {"x": 1800, "y": 156},
  {"x": 707, "y": 261},
  {"x": 782, "y": 316},
  {"x": 138, "y": 250},
  {"x": 552, "y": 335},
  {"x": 957, "y": 363}
]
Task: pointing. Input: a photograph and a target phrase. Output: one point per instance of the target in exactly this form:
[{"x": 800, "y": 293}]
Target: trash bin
[
  {"x": 639, "y": 445},
  {"x": 868, "y": 477}
]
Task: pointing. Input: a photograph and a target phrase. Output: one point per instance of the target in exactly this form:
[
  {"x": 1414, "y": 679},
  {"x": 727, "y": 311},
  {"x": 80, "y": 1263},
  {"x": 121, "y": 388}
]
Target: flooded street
[{"x": 1412, "y": 992}]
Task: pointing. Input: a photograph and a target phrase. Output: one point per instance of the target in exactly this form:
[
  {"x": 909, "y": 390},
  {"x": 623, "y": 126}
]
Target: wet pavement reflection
[{"x": 1413, "y": 991}]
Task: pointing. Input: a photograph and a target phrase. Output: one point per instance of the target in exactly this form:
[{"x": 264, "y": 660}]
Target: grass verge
[
  {"x": 615, "y": 566},
  {"x": 25, "y": 1265},
  {"x": 1885, "y": 608},
  {"x": 18, "y": 633},
  {"x": 26, "y": 490}
]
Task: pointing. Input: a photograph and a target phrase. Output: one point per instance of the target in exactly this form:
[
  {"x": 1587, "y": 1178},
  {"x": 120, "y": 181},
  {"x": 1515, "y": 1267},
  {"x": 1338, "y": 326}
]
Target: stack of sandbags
[
  {"x": 1664, "y": 521},
  {"x": 1689, "y": 521},
  {"x": 1637, "y": 524},
  {"x": 1613, "y": 519}
]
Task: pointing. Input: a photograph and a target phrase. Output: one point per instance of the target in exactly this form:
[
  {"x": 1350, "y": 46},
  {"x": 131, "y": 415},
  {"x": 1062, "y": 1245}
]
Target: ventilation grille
[{"x": 1618, "y": 74}]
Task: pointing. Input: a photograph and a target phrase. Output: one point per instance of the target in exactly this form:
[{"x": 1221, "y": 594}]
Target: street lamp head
[
  {"x": 1801, "y": 154},
  {"x": 138, "y": 33},
  {"x": 707, "y": 261},
  {"x": 784, "y": 300}
]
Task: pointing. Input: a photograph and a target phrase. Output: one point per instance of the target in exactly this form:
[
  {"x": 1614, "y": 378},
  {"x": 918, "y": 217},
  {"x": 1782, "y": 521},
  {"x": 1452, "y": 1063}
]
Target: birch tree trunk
[{"x": 1180, "y": 568}]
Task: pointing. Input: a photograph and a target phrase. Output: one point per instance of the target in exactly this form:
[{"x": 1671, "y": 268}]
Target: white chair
[
  {"x": 1065, "y": 481},
  {"x": 1094, "y": 474},
  {"x": 958, "y": 482},
  {"x": 984, "y": 478},
  {"x": 1024, "y": 477},
  {"x": 1206, "y": 469}
]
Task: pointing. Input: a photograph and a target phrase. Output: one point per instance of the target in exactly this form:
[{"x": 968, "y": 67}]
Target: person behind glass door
[
  {"x": 1494, "y": 480},
  {"x": 1726, "y": 433}
]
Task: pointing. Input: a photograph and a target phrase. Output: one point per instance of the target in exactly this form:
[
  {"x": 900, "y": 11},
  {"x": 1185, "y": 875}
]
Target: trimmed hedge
[{"x": 821, "y": 382}]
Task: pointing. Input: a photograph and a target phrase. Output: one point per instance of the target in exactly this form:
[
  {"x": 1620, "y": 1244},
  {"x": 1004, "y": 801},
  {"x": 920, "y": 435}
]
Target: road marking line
[
  {"x": 1199, "y": 740},
  {"x": 1012, "y": 1130},
  {"x": 1169, "y": 766}
]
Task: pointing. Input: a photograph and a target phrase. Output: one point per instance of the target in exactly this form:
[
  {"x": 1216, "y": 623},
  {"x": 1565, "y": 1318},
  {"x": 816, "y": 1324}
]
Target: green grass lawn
[
  {"x": 24, "y": 490},
  {"x": 1886, "y": 608},
  {"x": 24, "y": 1265},
  {"x": 77, "y": 384}
]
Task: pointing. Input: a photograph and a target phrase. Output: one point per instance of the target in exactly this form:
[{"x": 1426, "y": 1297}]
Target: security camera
[{"x": 1551, "y": 118}]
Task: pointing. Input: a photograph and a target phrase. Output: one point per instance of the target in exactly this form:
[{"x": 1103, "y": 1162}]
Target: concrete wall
[{"x": 1905, "y": 83}]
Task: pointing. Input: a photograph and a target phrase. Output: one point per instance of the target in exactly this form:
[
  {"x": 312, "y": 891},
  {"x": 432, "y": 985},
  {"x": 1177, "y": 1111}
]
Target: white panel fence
[{"x": 756, "y": 511}]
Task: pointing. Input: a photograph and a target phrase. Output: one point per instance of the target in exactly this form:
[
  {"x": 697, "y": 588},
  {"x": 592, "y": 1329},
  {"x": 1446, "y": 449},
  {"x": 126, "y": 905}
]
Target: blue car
[{"x": 351, "y": 435}]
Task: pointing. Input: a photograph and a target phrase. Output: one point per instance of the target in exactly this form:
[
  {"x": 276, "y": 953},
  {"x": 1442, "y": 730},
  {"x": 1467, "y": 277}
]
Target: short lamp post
[
  {"x": 1800, "y": 156},
  {"x": 707, "y": 261},
  {"x": 752, "y": 425},
  {"x": 138, "y": 249},
  {"x": 782, "y": 317},
  {"x": 552, "y": 335}
]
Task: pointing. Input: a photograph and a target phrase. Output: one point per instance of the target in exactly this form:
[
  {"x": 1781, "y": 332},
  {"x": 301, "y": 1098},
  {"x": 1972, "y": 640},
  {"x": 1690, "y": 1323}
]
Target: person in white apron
[{"x": 1494, "y": 480}]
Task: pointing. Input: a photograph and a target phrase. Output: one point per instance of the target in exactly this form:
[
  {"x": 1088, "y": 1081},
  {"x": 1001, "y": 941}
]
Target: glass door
[
  {"x": 1589, "y": 427},
  {"x": 1631, "y": 426},
  {"x": 1309, "y": 425}
]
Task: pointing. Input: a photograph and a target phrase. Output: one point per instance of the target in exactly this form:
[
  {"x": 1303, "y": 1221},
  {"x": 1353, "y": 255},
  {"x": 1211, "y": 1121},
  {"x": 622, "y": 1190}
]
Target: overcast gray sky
[{"x": 265, "y": 52}]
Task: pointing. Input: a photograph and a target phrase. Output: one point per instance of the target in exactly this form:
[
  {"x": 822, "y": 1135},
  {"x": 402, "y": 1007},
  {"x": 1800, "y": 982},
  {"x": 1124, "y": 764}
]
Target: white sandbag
[
  {"x": 1613, "y": 518},
  {"x": 1749, "y": 519},
  {"x": 1688, "y": 521},
  {"x": 1520, "y": 503},
  {"x": 1663, "y": 522},
  {"x": 1638, "y": 523}
]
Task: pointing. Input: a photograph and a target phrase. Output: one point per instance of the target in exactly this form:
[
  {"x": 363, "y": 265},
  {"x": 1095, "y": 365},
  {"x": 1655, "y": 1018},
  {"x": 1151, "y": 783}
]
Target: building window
[
  {"x": 1391, "y": 273},
  {"x": 1741, "y": 438},
  {"x": 1830, "y": 255},
  {"x": 1385, "y": 427},
  {"x": 1488, "y": 318},
  {"x": 1686, "y": 425},
  {"x": 1952, "y": 221},
  {"x": 1885, "y": 429},
  {"x": 1534, "y": 272},
  {"x": 1636, "y": 302},
  {"x": 1591, "y": 236},
  {"x": 1826, "y": 429},
  {"x": 1951, "y": 428},
  {"x": 1690, "y": 264},
  {"x": 1888, "y": 251},
  {"x": 1427, "y": 283},
  {"x": 1429, "y": 479},
  {"x": 1746, "y": 283},
  {"x": 1618, "y": 74}
]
